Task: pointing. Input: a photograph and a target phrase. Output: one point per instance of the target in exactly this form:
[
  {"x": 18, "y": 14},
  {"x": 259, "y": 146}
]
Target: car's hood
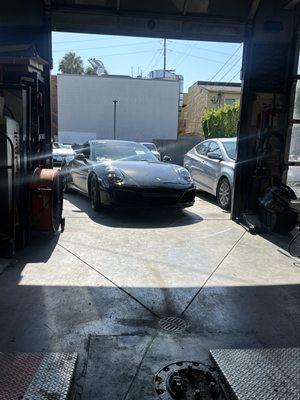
[
  {"x": 149, "y": 173},
  {"x": 63, "y": 152}
]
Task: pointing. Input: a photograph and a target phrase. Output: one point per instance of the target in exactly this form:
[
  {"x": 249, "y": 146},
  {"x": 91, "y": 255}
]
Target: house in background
[
  {"x": 205, "y": 95},
  {"x": 182, "y": 122}
]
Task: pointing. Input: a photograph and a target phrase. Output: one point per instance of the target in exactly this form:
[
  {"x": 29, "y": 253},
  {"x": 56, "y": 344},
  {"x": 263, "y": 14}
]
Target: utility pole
[
  {"x": 115, "y": 118},
  {"x": 165, "y": 56}
]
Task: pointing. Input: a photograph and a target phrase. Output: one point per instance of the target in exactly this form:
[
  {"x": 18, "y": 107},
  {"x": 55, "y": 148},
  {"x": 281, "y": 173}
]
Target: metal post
[
  {"x": 115, "y": 118},
  {"x": 165, "y": 56}
]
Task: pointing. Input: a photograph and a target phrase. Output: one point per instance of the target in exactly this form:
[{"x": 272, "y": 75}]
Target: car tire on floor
[
  {"x": 224, "y": 194},
  {"x": 95, "y": 193}
]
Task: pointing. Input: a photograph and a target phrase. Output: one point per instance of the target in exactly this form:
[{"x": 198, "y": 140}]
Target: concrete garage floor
[{"x": 101, "y": 287}]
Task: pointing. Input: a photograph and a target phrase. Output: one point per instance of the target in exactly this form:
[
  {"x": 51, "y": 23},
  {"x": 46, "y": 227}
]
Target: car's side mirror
[
  {"x": 214, "y": 155},
  {"x": 80, "y": 157},
  {"x": 166, "y": 159}
]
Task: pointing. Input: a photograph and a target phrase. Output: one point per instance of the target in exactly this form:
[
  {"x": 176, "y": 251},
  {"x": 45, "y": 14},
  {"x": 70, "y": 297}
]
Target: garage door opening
[{"x": 170, "y": 95}]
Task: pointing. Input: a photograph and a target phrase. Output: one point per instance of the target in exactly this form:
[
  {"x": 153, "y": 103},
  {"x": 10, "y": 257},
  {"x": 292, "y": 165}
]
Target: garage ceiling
[{"x": 191, "y": 19}]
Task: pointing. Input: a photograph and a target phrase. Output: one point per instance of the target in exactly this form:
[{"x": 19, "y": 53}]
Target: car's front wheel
[
  {"x": 224, "y": 194},
  {"x": 95, "y": 194}
]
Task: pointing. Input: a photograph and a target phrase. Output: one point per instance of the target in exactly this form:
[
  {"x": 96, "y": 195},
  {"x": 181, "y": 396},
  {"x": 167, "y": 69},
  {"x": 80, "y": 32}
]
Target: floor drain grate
[{"x": 172, "y": 324}]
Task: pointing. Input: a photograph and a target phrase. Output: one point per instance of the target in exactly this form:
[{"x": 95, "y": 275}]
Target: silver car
[
  {"x": 152, "y": 147},
  {"x": 211, "y": 165},
  {"x": 60, "y": 151}
]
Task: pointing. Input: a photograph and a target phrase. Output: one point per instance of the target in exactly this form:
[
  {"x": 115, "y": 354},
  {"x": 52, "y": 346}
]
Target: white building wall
[{"x": 146, "y": 110}]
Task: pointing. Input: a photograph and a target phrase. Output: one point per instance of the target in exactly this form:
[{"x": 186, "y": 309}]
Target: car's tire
[
  {"x": 224, "y": 194},
  {"x": 94, "y": 193}
]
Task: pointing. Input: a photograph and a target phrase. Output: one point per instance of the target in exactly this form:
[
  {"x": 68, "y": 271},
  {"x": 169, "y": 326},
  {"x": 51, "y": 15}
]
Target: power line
[
  {"x": 95, "y": 40},
  {"x": 239, "y": 71},
  {"x": 157, "y": 52},
  {"x": 180, "y": 59},
  {"x": 103, "y": 47},
  {"x": 178, "y": 42},
  {"x": 83, "y": 40},
  {"x": 157, "y": 60},
  {"x": 193, "y": 55},
  {"x": 125, "y": 54},
  {"x": 226, "y": 62},
  {"x": 212, "y": 51},
  {"x": 230, "y": 69}
]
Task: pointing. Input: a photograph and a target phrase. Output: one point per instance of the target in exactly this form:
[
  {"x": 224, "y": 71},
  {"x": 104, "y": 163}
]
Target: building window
[{"x": 229, "y": 102}]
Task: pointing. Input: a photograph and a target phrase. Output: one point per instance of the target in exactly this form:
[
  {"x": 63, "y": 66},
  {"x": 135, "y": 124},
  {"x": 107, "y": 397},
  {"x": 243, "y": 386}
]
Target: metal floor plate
[
  {"x": 36, "y": 376},
  {"x": 261, "y": 374}
]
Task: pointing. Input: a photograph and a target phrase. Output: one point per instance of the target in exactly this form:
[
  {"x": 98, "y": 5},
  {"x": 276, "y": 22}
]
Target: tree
[
  {"x": 221, "y": 122},
  {"x": 71, "y": 64},
  {"x": 90, "y": 71}
]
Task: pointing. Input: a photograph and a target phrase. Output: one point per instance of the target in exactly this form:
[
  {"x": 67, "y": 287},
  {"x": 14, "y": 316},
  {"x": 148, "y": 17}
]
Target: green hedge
[{"x": 221, "y": 122}]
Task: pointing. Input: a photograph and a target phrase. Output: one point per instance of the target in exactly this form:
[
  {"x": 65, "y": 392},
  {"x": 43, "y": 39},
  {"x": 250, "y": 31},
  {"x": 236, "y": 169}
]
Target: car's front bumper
[{"x": 149, "y": 197}]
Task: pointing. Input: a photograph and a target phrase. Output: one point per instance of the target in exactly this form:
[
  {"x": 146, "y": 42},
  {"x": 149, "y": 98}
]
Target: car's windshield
[
  {"x": 150, "y": 146},
  {"x": 111, "y": 151},
  {"x": 57, "y": 145},
  {"x": 230, "y": 148}
]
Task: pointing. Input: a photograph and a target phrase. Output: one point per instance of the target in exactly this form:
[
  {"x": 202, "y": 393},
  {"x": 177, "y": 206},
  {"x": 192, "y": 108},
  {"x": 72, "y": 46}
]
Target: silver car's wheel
[{"x": 224, "y": 194}]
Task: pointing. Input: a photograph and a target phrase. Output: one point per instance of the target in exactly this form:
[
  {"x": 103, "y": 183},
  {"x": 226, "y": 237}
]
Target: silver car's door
[
  {"x": 82, "y": 175},
  {"x": 197, "y": 164},
  {"x": 77, "y": 165},
  {"x": 212, "y": 166}
]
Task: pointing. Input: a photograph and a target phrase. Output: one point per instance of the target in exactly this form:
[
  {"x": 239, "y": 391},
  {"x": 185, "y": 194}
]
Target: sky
[{"x": 124, "y": 55}]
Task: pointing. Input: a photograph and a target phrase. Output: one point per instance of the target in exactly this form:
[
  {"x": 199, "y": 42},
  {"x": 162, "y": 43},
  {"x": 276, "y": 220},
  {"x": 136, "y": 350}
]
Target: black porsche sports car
[{"x": 122, "y": 173}]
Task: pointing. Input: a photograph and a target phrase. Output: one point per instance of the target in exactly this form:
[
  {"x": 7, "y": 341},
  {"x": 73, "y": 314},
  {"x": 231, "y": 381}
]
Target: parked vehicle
[
  {"x": 60, "y": 151},
  {"x": 211, "y": 165},
  {"x": 121, "y": 173},
  {"x": 152, "y": 147}
]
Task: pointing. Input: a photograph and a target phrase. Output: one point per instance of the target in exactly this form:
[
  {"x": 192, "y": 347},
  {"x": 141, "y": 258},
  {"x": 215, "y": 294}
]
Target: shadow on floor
[
  {"x": 59, "y": 318},
  {"x": 133, "y": 217},
  {"x": 209, "y": 198},
  {"x": 38, "y": 315}
]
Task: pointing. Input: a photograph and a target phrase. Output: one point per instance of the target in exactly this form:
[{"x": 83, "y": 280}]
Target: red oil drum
[{"x": 46, "y": 200}]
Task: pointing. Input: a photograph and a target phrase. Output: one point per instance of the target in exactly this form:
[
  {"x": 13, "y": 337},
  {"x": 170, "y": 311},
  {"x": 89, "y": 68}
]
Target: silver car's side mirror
[
  {"x": 166, "y": 159},
  {"x": 214, "y": 156}
]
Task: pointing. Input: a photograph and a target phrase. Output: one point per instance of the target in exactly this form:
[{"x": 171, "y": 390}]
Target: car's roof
[
  {"x": 223, "y": 140},
  {"x": 112, "y": 141}
]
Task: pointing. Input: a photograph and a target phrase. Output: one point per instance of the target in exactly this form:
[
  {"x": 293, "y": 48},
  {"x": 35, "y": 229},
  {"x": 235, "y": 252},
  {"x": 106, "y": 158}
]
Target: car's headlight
[
  {"x": 114, "y": 175},
  {"x": 184, "y": 173}
]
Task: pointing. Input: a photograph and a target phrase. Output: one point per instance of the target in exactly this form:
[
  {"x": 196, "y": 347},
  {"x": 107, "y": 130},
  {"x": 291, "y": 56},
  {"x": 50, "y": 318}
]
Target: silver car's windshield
[
  {"x": 111, "y": 151},
  {"x": 230, "y": 148},
  {"x": 150, "y": 146}
]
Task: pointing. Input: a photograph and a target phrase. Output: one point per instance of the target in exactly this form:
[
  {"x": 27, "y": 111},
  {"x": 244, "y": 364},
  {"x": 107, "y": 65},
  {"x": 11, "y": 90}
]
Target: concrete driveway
[{"x": 102, "y": 287}]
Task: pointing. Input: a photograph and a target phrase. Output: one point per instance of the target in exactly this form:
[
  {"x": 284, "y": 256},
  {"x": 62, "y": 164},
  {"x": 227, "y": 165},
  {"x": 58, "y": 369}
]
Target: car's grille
[
  {"x": 188, "y": 197},
  {"x": 150, "y": 197}
]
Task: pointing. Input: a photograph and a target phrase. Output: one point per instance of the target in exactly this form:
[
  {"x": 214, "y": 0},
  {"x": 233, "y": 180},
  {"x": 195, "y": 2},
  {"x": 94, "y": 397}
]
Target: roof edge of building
[{"x": 214, "y": 83}]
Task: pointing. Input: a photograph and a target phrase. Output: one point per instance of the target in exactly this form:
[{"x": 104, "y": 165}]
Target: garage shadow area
[
  {"x": 50, "y": 309},
  {"x": 135, "y": 217}
]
